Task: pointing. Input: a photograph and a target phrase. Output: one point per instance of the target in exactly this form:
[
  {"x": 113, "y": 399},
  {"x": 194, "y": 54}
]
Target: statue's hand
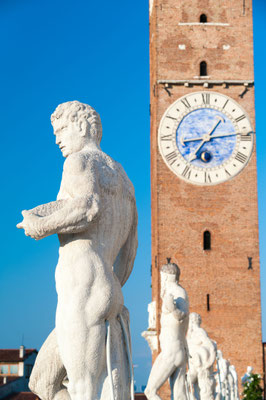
[{"x": 30, "y": 225}]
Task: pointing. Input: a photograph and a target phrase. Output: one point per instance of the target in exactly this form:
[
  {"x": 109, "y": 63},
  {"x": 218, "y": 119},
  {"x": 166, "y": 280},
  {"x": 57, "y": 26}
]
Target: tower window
[
  {"x": 208, "y": 302},
  {"x": 203, "y": 18},
  {"x": 207, "y": 240},
  {"x": 203, "y": 68}
]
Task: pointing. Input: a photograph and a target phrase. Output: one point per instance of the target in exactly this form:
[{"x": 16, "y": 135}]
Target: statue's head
[
  {"x": 249, "y": 369},
  {"x": 75, "y": 125},
  {"x": 169, "y": 273},
  {"x": 194, "y": 319}
]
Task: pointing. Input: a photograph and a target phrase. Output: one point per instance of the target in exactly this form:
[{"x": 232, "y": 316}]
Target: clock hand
[
  {"x": 200, "y": 138},
  {"x": 193, "y": 155},
  {"x": 220, "y": 119},
  {"x": 229, "y": 134},
  {"x": 224, "y": 135},
  {"x": 205, "y": 138},
  {"x": 213, "y": 137}
]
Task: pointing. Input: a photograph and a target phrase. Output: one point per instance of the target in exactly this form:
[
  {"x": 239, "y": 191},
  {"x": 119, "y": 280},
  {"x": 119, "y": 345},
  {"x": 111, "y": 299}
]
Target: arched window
[
  {"x": 203, "y": 68},
  {"x": 203, "y": 18},
  {"x": 207, "y": 240}
]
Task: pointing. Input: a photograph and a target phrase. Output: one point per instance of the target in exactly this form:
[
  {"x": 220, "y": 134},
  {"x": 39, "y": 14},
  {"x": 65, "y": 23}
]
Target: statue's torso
[
  {"x": 171, "y": 328},
  {"x": 107, "y": 232}
]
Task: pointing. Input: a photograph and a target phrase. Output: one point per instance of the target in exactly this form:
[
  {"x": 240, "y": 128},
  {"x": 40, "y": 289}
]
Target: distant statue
[
  {"x": 222, "y": 384},
  {"x": 246, "y": 378},
  {"x": 152, "y": 315},
  {"x": 151, "y": 334},
  {"x": 88, "y": 355},
  {"x": 233, "y": 383},
  {"x": 172, "y": 360},
  {"x": 202, "y": 355}
]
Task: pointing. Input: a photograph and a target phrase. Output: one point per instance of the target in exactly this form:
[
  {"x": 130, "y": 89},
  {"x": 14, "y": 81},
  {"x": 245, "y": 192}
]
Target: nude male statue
[
  {"x": 233, "y": 383},
  {"x": 171, "y": 362},
  {"x": 202, "y": 356},
  {"x": 222, "y": 384},
  {"x": 95, "y": 218}
]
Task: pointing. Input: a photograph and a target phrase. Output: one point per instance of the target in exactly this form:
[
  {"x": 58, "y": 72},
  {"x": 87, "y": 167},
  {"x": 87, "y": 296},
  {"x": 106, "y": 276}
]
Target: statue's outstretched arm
[
  {"x": 70, "y": 215},
  {"x": 125, "y": 260},
  {"x": 45, "y": 209},
  {"x": 74, "y": 216}
]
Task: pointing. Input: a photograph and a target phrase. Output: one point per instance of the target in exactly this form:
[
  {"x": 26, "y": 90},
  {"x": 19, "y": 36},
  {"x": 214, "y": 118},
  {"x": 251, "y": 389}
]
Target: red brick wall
[{"x": 181, "y": 212}]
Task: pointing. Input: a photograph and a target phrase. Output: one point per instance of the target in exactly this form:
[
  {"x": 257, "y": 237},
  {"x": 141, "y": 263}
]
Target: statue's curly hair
[
  {"x": 79, "y": 112},
  {"x": 171, "y": 268}
]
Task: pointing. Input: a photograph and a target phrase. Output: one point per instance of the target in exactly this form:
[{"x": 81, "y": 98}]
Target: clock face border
[{"x": 184, "y": 169}]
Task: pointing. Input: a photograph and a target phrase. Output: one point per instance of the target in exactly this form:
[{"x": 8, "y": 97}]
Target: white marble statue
[
  {"x": 172, "y": 360},
  {"x": 233, "y": 383},
  {"x": 246, "y": 378},
  {"x": 151, "y": 334},
  {"x": 222, "y": 384},
  {"x": 152, "y": 315},
  {"x": 202, "y": 356},
  {"x": 88, "y": 356}
]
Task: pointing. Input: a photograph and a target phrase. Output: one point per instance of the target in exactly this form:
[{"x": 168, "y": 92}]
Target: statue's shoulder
[
  {"x": 75, "y": 162},
  {"x": 182, "y": 291},
  {"x": 82, "y": 161},
  {"x": 119, "y": 176}
]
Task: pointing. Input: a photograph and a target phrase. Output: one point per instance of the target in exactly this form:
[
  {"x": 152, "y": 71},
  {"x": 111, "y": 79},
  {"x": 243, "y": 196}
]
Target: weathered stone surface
[
  {"x": 150, "y": 334},
  {"x": 95, "y": 218},
  {"x": 172, "y": 360},
  {"x": 202, "y": 356}
]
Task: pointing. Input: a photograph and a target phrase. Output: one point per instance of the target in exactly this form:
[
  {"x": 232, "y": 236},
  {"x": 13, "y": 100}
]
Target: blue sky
[{"x": 97, "y": 53}]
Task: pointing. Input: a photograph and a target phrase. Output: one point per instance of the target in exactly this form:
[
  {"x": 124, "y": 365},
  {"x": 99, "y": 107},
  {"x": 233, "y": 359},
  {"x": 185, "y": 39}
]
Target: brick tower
[{"x": 203, "y": 167}]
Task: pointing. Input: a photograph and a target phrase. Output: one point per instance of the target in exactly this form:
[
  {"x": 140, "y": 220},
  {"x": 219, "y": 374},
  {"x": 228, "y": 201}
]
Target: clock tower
[{"x": 203, "y": 168}]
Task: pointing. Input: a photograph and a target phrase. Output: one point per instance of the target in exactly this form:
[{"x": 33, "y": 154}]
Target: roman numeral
[
  {"x": 245, "y": 138},
  {"x": 187, "y": 172},
  {"x": 171, "y": 157},
  {"x": 241, "y": 157},
  {"x": 186, "y": 103},
  {"x": 227, "y": 173},
  {"x": 207, "y": 177},
  {"x": 240, "y": 118},
  {"x": 225, "y": 103},
  {"x": 206, "y": 98},
  {"x": 166, "y": 137},
  {"x": 169, "y": 116}
]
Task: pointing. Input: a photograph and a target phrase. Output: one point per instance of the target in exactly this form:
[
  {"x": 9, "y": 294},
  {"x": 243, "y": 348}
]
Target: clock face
[{"x": 205, "y": 138}]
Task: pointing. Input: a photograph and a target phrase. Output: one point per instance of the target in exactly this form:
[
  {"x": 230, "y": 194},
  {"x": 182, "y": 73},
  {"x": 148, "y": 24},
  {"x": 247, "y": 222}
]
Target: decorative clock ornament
[{"x": 205, "y": 138}]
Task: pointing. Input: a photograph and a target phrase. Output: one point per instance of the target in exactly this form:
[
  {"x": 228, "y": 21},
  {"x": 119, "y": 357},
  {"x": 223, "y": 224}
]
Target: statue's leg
[
  {"x": 192, "y": 378},
  {"x": 206, "y": 385},
  {"x": 84, "y": 356},
  {"x": 48, "y": 372},
  {"x": 179, "y": 383},
  {"x": 197, "y": 393},
  {"x": 83, "y": 307},
  {"x": 162, "y": 369}
]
